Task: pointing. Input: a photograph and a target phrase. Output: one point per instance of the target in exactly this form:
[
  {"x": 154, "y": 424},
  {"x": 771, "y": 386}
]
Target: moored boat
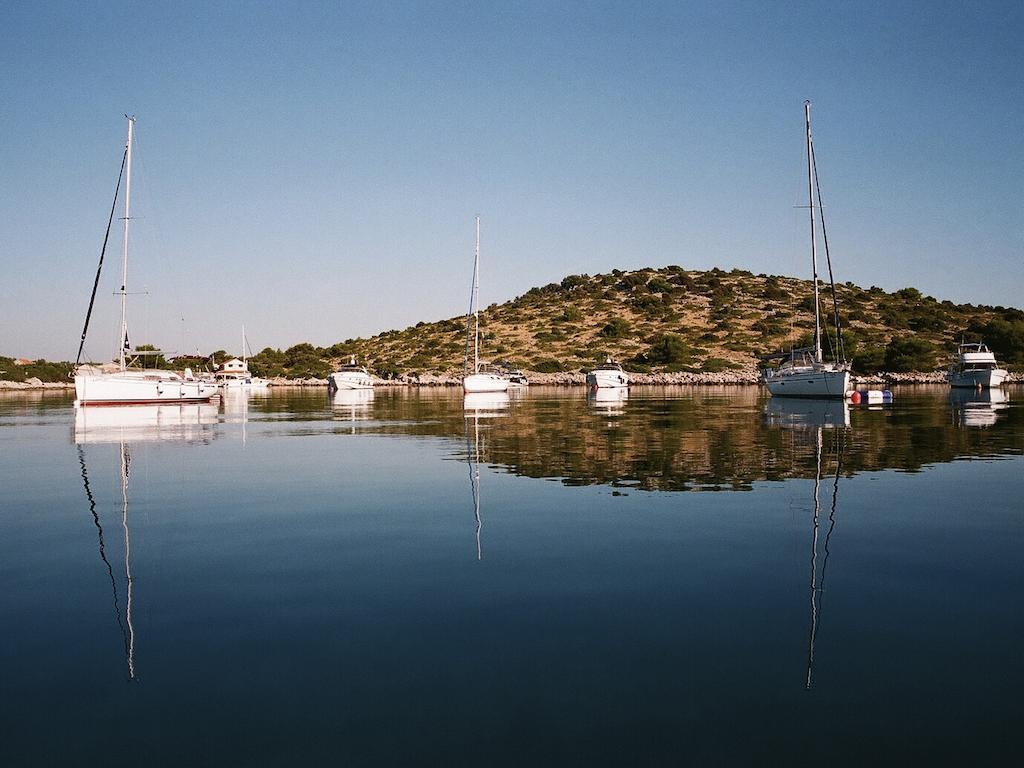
[
  {"x": 607, "y": 375},
  {"x": 234, "y": 373},
  {"x": 803, "y": 372},
  {"x": 484, "y": 378},
  {"x": 127, "y": 386},
  {"x": 350, "y": 376},
  {"x": 975, "y": 367}
]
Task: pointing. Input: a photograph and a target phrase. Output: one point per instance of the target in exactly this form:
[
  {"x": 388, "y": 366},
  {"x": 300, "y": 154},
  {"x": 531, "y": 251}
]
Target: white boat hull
[
  {"x": 139, "y": 388},
  {"x": 484, "y": 382},
  {"x": 607, "y": 380},
  {"x": 821, "y": 383},
  {"x": 244, "y": 384},
  {"x": 350, "y": 381},
  {"x": 979, "y": 379}
]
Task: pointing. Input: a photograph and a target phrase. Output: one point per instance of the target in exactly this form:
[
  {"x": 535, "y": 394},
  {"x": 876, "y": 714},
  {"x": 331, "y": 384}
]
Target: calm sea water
[{"x": 683, "y": 576}]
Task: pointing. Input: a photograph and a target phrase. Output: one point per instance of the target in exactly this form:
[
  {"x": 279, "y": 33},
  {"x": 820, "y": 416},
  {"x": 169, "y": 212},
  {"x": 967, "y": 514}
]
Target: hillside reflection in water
[{"x": 688, "y": 438}]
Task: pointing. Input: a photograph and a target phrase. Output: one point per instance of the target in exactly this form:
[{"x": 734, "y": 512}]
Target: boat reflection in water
[
  {"x": 352, "y": 404},
  {"x": 811, "y": 418},
  {"x": 611, "y": 401},
  {"x": 479, "y": 406},
  {"x": 486, "y": 404},
  {"x": 124, "y": 425},
  {"x": 978, "y": 408},
  {"x": 793, "y": 413},
  {"x": 145, "y": 423}
]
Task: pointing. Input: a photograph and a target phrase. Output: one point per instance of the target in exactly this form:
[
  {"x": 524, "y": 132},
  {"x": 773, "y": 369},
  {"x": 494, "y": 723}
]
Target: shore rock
[{"x": 36, "y": 384}]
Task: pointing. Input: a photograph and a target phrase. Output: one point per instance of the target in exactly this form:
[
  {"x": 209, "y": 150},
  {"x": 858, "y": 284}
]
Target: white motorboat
[
  {"x": 975, "y": 367},
  {"x": 351, "y": 376},
  {"x": 125, "y": 386},
  {"x": 803, "y": 372},
  {"x": 484, "y": 378},
  {"x": 607, "y": 375},
  {"x": 516, "y": 377}
]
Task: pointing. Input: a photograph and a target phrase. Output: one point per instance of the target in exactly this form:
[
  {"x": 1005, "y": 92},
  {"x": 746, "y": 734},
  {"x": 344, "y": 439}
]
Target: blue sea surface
[{"x": 685, "y": 575}]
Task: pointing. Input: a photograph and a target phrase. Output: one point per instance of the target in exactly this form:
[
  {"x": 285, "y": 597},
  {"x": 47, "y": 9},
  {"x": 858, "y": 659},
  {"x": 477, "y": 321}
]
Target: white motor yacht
[
  {"x": 975, "y": 367},
  {"x": 350, "y": 376},
  {"x": 607, "y": 375}
]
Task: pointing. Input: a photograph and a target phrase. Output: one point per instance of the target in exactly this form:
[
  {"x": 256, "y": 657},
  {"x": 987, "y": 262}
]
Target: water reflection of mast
[
  {"x": 818, "y": 585},
  {"x": 473, "y": 459},
  {"x": 126, "y": 461},
  {"x": 127, "y": 633}
]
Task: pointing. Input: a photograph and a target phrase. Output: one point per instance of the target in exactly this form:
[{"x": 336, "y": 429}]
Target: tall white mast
[
  {"x": 124, "y": 248},
  {"x": 814, "y": 245},
  {"x": 243, "y": 347},
  {"x": 476, "y": 301}
]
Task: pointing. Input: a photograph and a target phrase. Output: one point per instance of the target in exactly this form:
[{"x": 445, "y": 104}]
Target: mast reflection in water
[
  {"x": 123, "y": 425},
  {"x": 811, "y": 418},
  {"x": 478, "y": 405}
]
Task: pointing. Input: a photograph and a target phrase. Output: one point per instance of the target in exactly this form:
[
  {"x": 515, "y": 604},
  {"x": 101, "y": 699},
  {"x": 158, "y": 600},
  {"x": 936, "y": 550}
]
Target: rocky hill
[
  {"x": 675, "y": 320},
  {"x": 668, "y": 320}
]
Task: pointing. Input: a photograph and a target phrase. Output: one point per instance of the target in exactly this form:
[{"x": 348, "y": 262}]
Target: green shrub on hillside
[
  {"x": 573, "y": 281},
  {"x": 1005, "y": 338},
  {"x": 669, "y": 349},
  {"x": 717, "y": 365},
  {"x": 616, "y": 328},
  {"x": 910, "y": 353},
  {"x": 548, "y": 366}
]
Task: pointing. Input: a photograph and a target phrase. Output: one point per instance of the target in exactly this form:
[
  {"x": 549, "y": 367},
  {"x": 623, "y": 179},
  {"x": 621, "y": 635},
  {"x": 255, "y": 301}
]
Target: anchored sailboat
[
  {"x": 125, "y": 385},
  {"x": 484, "y": 378},
  {"x": 803, "y": 372}
]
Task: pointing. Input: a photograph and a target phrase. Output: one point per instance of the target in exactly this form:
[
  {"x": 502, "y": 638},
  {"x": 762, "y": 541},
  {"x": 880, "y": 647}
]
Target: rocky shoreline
[{"x": 724, "y": 378}]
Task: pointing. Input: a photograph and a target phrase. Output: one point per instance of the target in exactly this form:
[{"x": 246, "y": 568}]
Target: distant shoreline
[{"x": 724, "y": 378}]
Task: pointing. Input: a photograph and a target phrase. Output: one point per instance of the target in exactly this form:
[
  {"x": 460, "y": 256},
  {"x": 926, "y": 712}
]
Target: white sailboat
[
  {"x": 803, "y": 372},
  {"x": 484, "y": 378},
  {"x": 130, "y": 386}
]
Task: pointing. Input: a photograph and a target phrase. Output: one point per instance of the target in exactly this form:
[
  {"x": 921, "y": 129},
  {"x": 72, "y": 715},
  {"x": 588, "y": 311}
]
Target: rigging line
[
  {"x": 469, "y": 320},
  {"x": 103, "y": 548},
  {"x": 828, "y": 258},
  {"x": 103, "y": 251}
]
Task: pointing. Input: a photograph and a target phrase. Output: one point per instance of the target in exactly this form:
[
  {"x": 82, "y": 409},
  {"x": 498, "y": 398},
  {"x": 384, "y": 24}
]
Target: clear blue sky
[{"x": 312, "y": 170}]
